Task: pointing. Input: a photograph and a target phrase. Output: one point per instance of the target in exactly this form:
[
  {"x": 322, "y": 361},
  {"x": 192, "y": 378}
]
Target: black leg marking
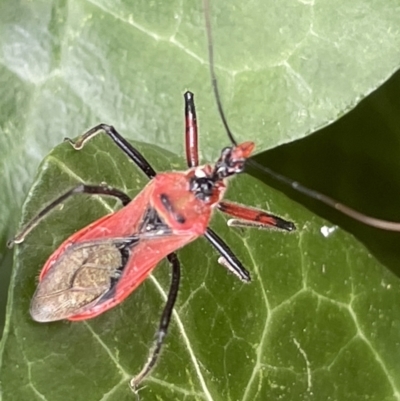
[
  {"x": 80, "y": 189},
  {"x": 229, "y": 260},
  {"x": 246, "y": 216},
  {"x": 121, "y": 142},
  {"x": 164, "y": 322},
  {"x": 191, "y": 135}
]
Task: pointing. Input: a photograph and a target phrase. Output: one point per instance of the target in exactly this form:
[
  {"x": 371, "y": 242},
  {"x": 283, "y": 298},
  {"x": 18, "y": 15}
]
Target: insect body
[{"x": 100, "y": 265}]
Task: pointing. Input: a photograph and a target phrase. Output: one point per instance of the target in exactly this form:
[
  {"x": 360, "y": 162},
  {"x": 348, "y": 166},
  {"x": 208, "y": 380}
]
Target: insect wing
[
  {"x": 74, "y": 277},
  {"x": 100, "y": 265},
  {"x": 81, "y": 276},
  {"x": 114, "y": 225},
  {"x": 75, "y": 238},
  {"x": 92, "y": 277},
  {"x": 146, "y": 255}
]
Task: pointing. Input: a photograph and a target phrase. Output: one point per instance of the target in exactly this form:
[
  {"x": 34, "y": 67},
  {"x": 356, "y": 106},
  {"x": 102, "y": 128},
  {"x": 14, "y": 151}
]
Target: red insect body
[
  {"x": 68, "y": 293},
  {"x": 148, "y": 251},
  {"x": 100, "y": 265}
]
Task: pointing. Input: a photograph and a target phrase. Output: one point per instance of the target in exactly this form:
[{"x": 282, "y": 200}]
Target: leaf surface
[
  {"x": 319, "y": 320},
  {"x": 319, "y": 310}
]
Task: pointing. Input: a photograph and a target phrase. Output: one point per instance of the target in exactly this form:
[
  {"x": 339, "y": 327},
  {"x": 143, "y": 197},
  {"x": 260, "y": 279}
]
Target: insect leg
[
  {"x": 249, "y": 217},
  {"x": 80, "y": 189},
  {"x": 120, "y": 141},
  {"x": 191, "y": 143},
  {"x": 164, "y": 322},
  {"x": 228, "y": 258}
]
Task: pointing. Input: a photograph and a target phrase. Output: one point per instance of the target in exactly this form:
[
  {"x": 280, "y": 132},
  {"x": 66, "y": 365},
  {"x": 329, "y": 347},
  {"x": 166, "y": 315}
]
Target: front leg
[{"x": 250, "y": 217}]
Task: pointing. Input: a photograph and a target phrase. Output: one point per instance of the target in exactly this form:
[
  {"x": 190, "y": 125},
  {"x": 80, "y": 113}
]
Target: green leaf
[
  {"x": 284, "y": 69},
  {"x": 319, "y": 318}
]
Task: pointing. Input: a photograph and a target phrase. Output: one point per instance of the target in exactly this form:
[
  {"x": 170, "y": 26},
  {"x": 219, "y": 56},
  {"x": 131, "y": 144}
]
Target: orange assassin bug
[
  {"x": 154, "y": 220},
  {"x": 100, "y": 265}
]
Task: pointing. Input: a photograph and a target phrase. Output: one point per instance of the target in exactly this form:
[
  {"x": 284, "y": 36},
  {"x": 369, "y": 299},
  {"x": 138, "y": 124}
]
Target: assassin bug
[
  {"x": 100, "y": 265},
  {"x": 161, "y": 221}
]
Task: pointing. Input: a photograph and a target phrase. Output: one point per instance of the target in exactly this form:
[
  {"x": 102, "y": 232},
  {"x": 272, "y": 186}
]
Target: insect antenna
[
  {"x": 348, "y": 211},
  {"x": 214, "y": 81}
]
